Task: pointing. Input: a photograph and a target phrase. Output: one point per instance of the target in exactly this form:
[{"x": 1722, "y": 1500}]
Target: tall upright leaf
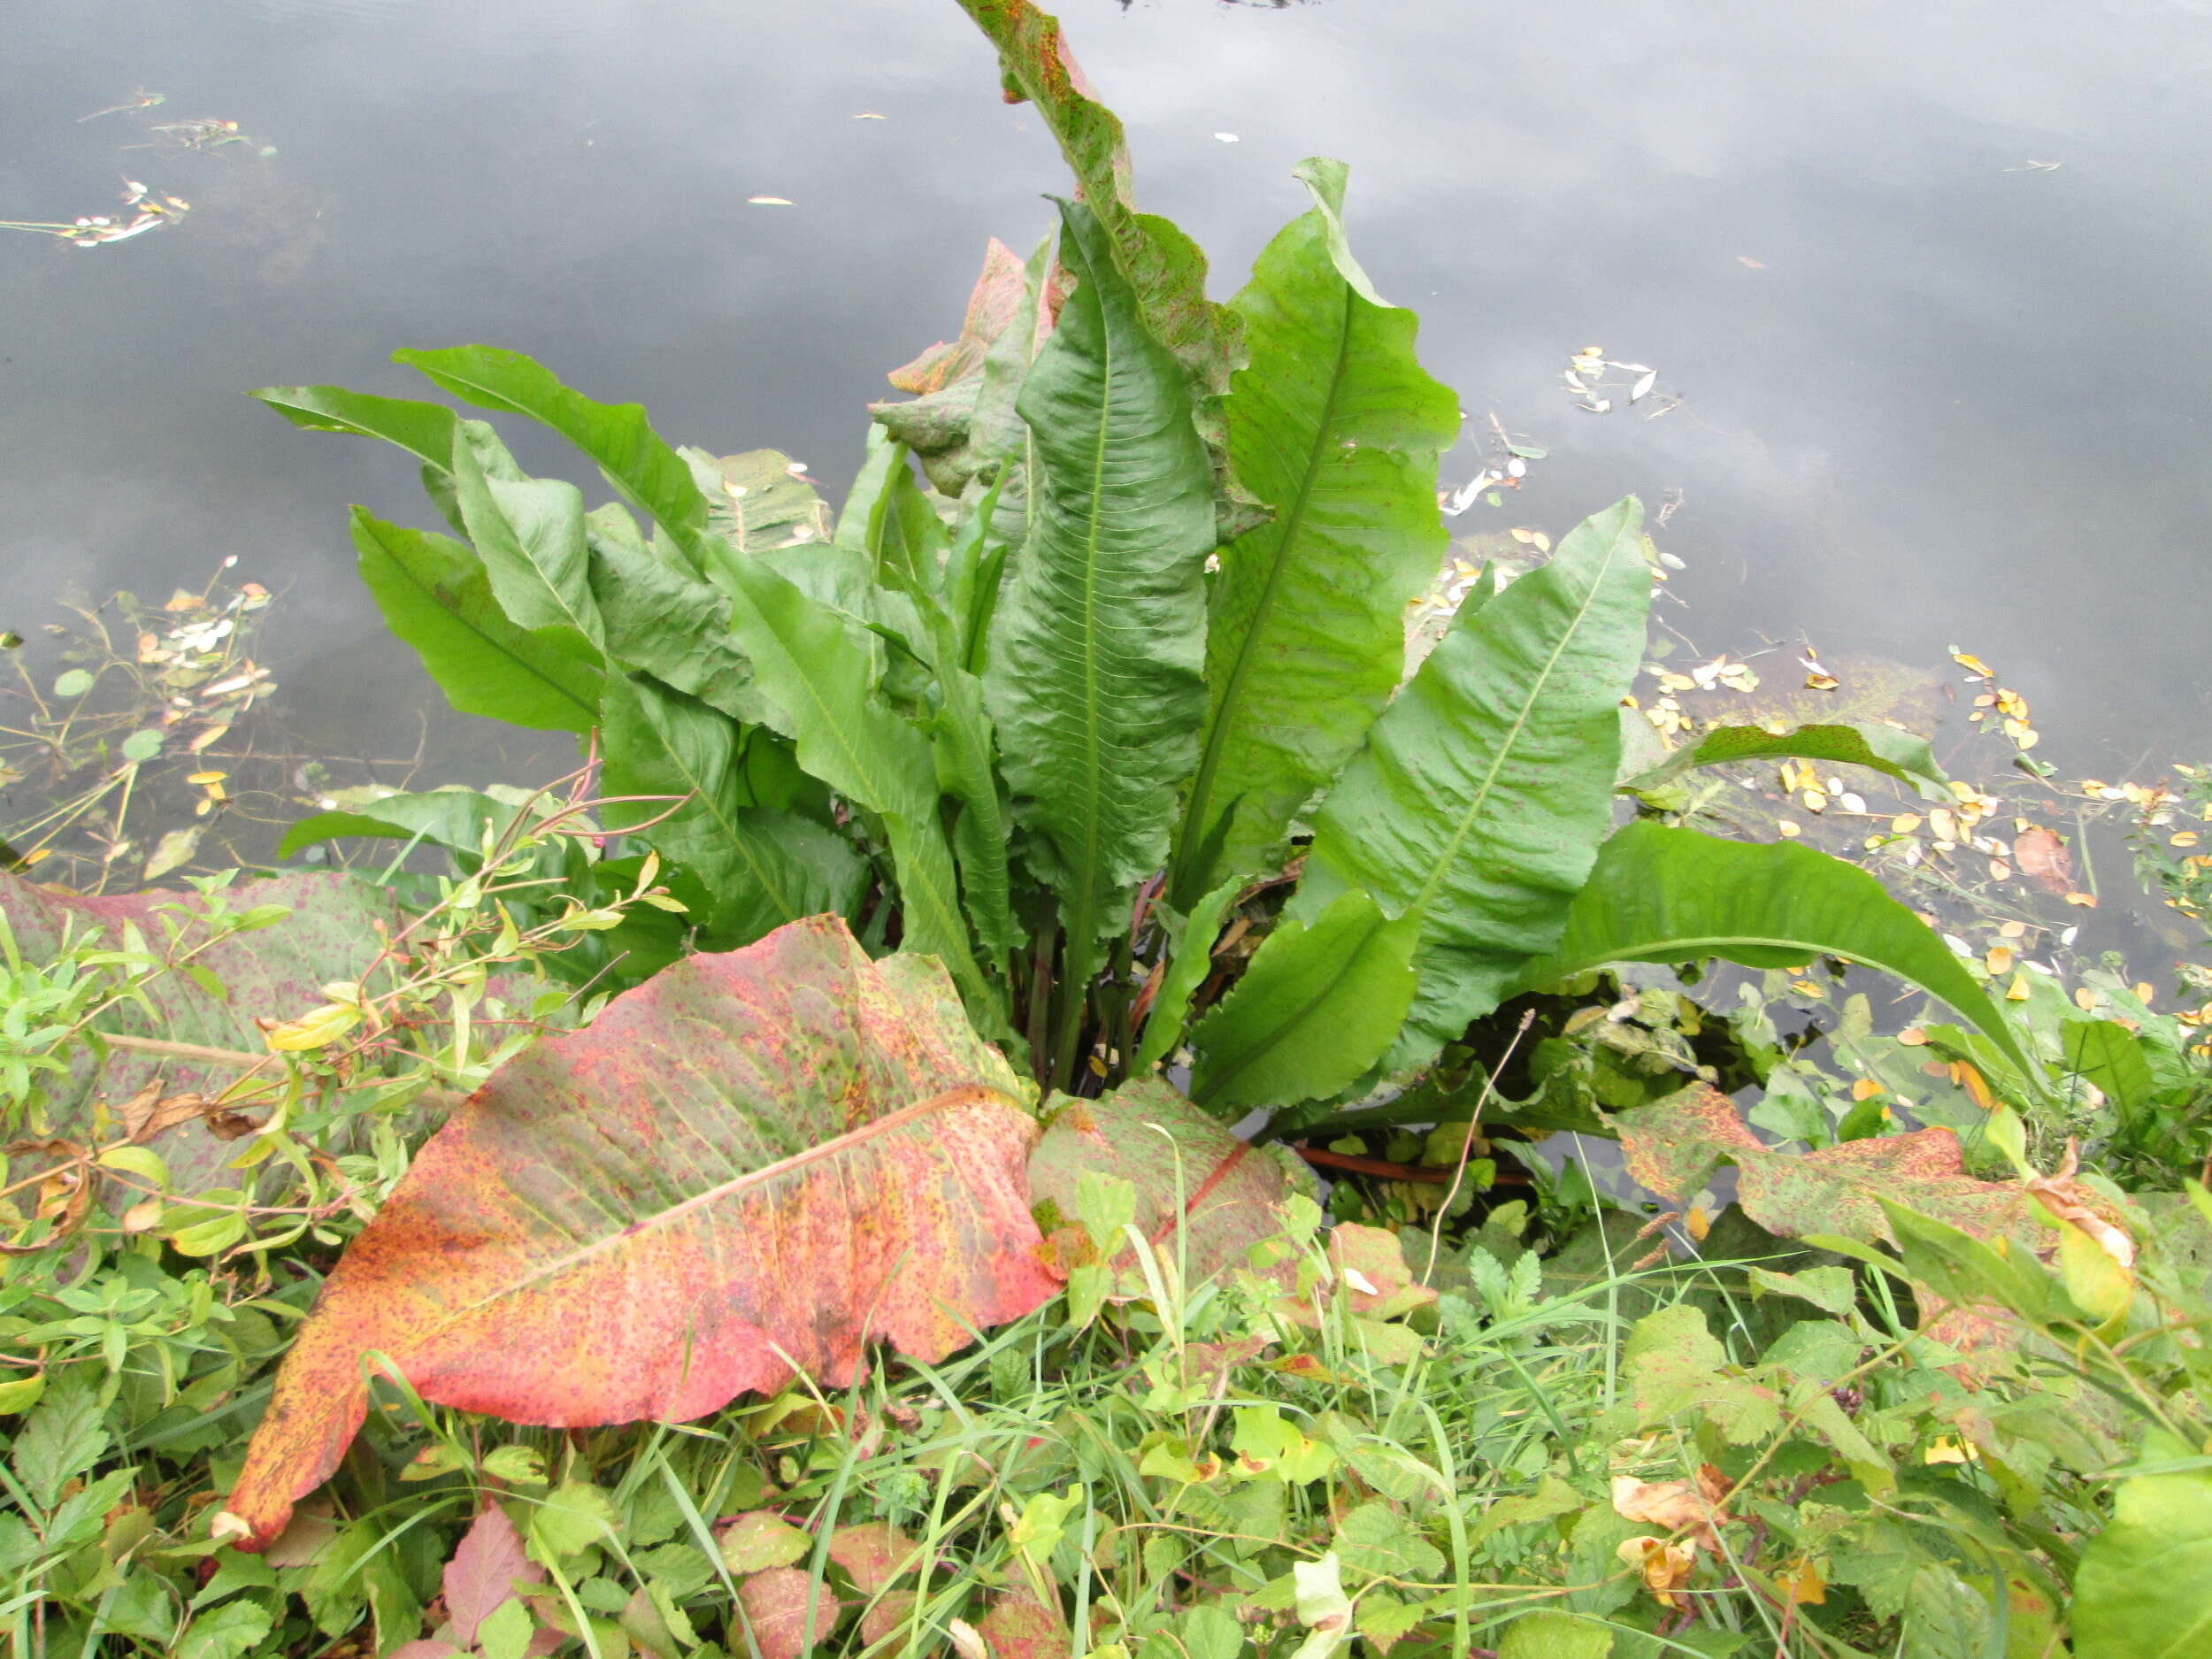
[
  {"x": 1659, "y": 894},
  {"x": 1094, "y": 676},
  {"x": 434, "y": 594},
  {"x": 763, "y": 867},
  {"x": 751, "y": 1164},
  {"x": 1164, "y": 267},
  {"x": 649, "y": 474},
  {"x": 1334, "y": 425},
  {"x": 1484, "y": 790}
]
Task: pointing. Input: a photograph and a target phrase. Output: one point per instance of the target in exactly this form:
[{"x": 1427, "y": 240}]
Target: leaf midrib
[
  {"x": 430, "y": 595},
  {"x": 967, "y": 1094},
  {"x": 1521, "y": 719},
  {"x": 1345, "y": 964}
]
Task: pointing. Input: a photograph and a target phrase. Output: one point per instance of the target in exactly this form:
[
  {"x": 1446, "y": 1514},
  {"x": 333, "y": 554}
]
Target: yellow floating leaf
[
  {"x": 2000, "y": 870},
  {"x": 1971, "y": 663},
  {"x": 1912, "y": 1037},
  {"x": 1821, "y": 682},
  {"x": 206, "y": 777},
  {"x": 1867, "y": 1088},
  {"x": 2017, "y": 991},
  {"x": 1905, "y": 823},
  {"x": 1785, "y": 827},
  {"x": 2084, "y": 999},
  {"x": 2182, "y": 838},
  {"x": 1975, "y": 1084},
  {"x": 1699, "y": 1223},
  {"x": 2082, "y": 901}
]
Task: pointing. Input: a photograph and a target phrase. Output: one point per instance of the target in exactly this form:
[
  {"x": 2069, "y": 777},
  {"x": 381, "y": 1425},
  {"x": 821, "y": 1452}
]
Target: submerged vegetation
[{"x": 977, "y": 913}]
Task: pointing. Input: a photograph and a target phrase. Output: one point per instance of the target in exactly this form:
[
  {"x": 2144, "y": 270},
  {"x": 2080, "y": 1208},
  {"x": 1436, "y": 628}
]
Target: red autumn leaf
[
  {"x": 1672, "y": 1147},
  {"x": 275, "y": 971},
  {"x": 886, "y": 1615},
  {"x": 1229, "y": 1188},
  {"x": 752, "y": 1164},
  {"x": 994, "y": 304},
  {"x": 775, "y": 1605},
  {"x": 873, "y": 1554},
  {"x": 1022, "y": 1627},
  {"x": 482, "y": 1576}
]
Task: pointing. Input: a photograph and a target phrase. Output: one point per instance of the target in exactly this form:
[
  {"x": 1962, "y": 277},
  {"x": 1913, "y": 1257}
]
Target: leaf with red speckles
[
  {"x": 748, "y": 1166},
  {"x": 1162, "y": 265},
  {"x": 1150, "y": 1136},
  {"x": 1022, "y": 1627},
  {"x": 873, "y": 1554},
  {"x": 775, "y": 1604},
  {"x": 1673, "y": 1146},
  {"x": 994, "y": 304}
]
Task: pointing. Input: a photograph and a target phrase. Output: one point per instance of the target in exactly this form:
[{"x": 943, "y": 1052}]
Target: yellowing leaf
[{"x": 317, "y": 1029}]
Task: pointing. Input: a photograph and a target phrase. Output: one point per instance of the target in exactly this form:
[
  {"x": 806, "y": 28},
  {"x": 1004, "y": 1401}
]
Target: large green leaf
[
  {"x": 451, "y": 817},
  {"x": 1316, "y": 1008},
  {"x": 660, "y": 621},
  {"x": 1484, "y": 790},
  {"x": 1334, "y": 425},
  {"x": 649, "y": 474},
  {"x": 529, "y": 532},
  {"x": 434, "y": 594},
  {"x": 1094, "y": 677},
  {"x": 819, "y": 670},
  {"x": 752, "y": 1164},
  {"x": 2145, "y": 1587},
  {"x": 763, "y": 867},
  {"x": 1889, "y": 749},
  {"x": 1659, "y": 894}
]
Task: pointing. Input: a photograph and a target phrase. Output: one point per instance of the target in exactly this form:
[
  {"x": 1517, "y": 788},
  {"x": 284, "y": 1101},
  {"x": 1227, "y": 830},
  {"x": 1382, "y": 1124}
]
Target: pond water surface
[{"x": 1927, "y": 281}]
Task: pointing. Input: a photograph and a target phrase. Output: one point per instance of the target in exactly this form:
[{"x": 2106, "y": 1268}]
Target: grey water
[{"x": 1925, "y": 286}]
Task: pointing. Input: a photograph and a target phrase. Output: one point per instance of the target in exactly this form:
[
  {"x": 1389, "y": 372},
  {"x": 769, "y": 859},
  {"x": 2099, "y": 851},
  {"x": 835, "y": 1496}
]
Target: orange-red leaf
[
  {"x": 752, "y": 1164},
  {"x": 776, "y": 1606},
  {"x": 1672, "y": 1147},
  {"x": 996, "y": 300},
  {"x": 1229, "y": 1188}
]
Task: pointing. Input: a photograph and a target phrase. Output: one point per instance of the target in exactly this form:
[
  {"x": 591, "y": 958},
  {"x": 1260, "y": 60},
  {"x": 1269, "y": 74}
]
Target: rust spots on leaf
[
  {"x": 991, "y": 307},
  {"x": 1156, "y": 1140},
  {"x": 1673, "y": 1146},
  {"x": 756, "y": 1162}
]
